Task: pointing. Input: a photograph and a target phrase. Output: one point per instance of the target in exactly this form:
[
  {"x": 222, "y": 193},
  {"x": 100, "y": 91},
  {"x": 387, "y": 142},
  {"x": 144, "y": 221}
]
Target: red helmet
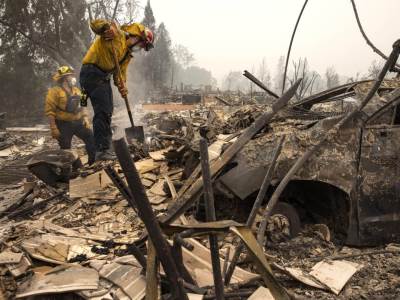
[{"x": 148, "y": 38}]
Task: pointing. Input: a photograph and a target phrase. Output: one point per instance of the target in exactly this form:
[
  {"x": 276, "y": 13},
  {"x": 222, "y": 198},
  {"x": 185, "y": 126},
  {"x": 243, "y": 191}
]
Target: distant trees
[
  {"x": 196, "y": 76},
  {"x": 162, "y": 54},
  {"x": 312, "y": 82},
  {"x": 165, "y": 65},
  {"x": 263, "y": 73},
  {"x": 278, "y": 78},
  {"x": 149, "y": 20},
  {"x": 234, "y": 81},
  {"x": 331, "y": 78},
  {"x": 182, "y": 55},
  {"x": 125, "y": 12},
  {"x": 301, "y": 70},
  {"x": 374, "y": 69},
  {"x": 35, "y": 37}
]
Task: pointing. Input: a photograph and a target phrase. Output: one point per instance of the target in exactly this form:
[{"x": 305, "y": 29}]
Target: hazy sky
[{"x": 227, "y": 35}]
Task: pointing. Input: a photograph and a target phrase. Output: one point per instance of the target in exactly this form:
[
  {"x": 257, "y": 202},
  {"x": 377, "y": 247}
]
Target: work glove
[
  {"x": 86, "y": 123},
  {"x": 123, "y": 90},
  {"x": 55, "y": 133},
  {"x": 110, "y": 33}
]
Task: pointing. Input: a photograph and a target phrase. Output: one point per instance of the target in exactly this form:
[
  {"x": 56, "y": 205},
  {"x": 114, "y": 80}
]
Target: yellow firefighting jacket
[
  {"x": 63, "y": 106},
  {"x": 100, "y": 52}
]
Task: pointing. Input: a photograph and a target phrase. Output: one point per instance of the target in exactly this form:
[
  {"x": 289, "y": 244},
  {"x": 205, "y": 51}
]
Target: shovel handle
[
  {"x": 121, "y": 82},
  {"x": 128, "y": 108}
]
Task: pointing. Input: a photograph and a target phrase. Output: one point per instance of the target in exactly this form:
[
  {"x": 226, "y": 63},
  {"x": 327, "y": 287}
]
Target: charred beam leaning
[
  {"x": 17, "y": 203},
  {"x": 31, "y": 208},
  {"x": 223, "y": 101},
  {"x": 189, "y": 196},
  {"x": 151, "y": 273},
  {"x": 149, "y": 219},
  {"x": 329, "y": 134},
  {"x": 256, "y": 206},
  {"x": 261, "y": 85},
  {"x": 120, "y": 184},
  {"x": 210, "y": 217},
  {"x": 178, "y": 257}
]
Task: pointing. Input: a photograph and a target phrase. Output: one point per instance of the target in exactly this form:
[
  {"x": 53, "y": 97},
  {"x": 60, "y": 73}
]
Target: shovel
[{"x": 133, "y": 132}]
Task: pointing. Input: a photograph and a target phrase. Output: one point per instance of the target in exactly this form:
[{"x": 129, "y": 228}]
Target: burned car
[{"x": 351, "y": 183}]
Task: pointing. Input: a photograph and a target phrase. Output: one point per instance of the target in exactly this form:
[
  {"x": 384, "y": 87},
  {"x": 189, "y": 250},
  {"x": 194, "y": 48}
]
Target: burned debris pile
[{"x": 182, "y": 214}]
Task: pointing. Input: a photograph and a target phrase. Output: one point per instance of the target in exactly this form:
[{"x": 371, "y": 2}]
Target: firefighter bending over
[{"x": 98, "y": 68}]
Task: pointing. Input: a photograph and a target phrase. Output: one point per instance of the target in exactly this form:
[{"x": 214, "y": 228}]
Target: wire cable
[
  {"x": 290, "y": 45},
  {"x": 376, "y": 50}
]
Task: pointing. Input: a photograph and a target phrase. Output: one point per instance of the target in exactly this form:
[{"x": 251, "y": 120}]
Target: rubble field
[{"x": 72, "y": 231}]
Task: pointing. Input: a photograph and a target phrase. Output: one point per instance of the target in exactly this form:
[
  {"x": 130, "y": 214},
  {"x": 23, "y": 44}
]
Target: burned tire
[{"x": 284, "y": 222}]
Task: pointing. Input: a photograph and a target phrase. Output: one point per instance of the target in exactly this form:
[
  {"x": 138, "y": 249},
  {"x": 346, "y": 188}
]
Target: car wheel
[{"x": 284, "y": 223}]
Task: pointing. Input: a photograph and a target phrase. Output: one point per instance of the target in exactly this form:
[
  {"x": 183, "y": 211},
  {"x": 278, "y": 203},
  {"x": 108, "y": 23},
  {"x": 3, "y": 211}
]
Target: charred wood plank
[
  {"x": 149, "y": 219},
  {"x": 210, "y": 217},
  {"x": 18, "y": 203},
  {"x": 33, "y": 207},
  {"x": 151, "y": 273},
  {"x": 257, "y": 82},
  {"x": 223, "y": 101},
  {"x": 120, "y": 185}
]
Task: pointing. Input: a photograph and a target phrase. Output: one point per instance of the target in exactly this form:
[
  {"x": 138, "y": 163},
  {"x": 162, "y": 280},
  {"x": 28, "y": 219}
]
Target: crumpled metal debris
[{"x": 91, "y": 230}]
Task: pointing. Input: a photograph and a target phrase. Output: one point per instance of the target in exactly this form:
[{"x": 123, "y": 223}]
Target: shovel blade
[{"x": 134, "y": 133}]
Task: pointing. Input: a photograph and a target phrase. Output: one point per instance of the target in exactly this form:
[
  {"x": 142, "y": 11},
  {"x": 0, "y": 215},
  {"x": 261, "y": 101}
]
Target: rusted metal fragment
[
  {"x": 201, "y": 228},
  {"x": 103, "y": 291},
  {"x": 127, "y": 277},
  {"x": 379, "y": 212},
  {"x": 263, "y": 266},
  {"x": 199, "y": 262},
  {"x": 309, "y": 101},
  {"x": 60, "y": 280}
]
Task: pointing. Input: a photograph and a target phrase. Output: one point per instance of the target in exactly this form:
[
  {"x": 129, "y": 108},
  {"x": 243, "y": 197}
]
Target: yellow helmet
[{"x": 62, "y": 72}]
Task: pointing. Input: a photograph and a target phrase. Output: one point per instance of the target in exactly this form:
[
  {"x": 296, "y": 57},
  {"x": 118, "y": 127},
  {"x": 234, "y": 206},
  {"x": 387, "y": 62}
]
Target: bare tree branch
[
  {"x": 54, "y": 53},
  {"x": 115, "y": 10}
]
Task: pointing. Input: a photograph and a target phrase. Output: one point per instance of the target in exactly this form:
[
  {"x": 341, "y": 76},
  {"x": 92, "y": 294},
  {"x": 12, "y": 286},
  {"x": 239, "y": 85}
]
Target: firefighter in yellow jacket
[
  {"x": 66, "y": 117},
  {"x": 98, "y": 67}
]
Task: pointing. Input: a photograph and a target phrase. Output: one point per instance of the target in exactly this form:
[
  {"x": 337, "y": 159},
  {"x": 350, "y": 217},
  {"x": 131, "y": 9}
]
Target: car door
[{"x": 379, "y": 183}]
